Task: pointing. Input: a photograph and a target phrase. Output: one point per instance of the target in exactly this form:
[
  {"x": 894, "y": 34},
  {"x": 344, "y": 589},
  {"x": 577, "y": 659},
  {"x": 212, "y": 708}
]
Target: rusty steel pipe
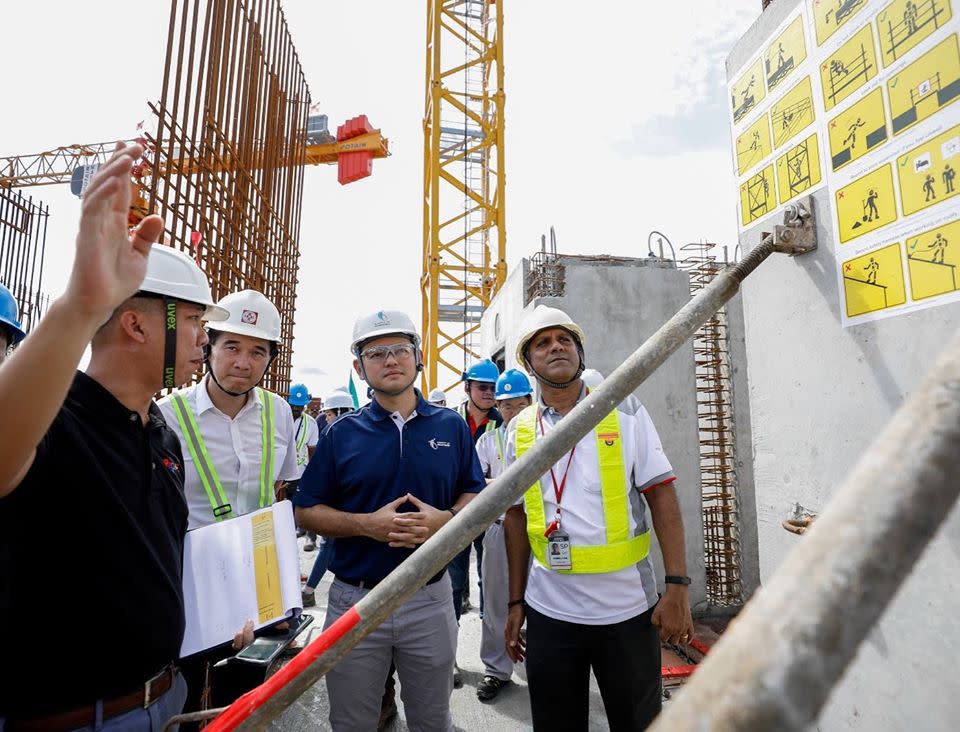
[{"x": 775, "y": 668}]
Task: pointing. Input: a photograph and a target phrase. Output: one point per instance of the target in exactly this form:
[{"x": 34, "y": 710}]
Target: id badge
[{"x": 558, "y": 551}]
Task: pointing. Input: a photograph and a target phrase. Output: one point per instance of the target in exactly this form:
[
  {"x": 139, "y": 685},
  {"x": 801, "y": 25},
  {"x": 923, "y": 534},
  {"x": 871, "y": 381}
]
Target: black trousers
[{"x": 625, "y": 658}]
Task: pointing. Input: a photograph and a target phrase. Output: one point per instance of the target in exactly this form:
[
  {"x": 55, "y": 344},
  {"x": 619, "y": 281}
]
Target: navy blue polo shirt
[{"x": 363, "y": 461}]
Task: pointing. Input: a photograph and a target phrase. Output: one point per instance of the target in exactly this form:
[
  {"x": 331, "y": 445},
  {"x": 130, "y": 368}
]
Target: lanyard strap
[{"x": 557, "y": 489}]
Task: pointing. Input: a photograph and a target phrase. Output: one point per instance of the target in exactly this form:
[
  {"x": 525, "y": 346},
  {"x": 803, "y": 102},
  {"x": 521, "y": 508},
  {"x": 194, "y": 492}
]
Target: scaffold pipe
[
  {"x": 256, "y": 709},
  {"x": 776, "y": 666}
]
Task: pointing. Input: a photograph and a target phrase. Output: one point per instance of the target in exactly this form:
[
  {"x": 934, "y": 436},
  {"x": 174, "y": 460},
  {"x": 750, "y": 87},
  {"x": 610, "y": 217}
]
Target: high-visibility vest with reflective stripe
[
  {"x": 491, "y": 425},
  {"x": 205, "y": 467},
  {"x": 499, "y": 438},
  {"x": 303, "y": 424},
  {"x": 620, "y": 550}
]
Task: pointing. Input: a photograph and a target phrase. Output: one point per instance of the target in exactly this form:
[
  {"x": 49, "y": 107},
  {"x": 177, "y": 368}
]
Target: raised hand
[{"x": 110, "y": 261}]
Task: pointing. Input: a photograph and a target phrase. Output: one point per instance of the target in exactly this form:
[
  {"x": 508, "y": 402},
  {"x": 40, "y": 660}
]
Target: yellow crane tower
[{"x": 464, "y": 231}]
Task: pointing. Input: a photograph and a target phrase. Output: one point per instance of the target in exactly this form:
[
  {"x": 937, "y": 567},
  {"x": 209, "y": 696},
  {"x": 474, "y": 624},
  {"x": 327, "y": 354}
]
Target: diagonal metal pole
[
  {"x": 775, "y": 667},
  {"x": 255, "y": 710}
]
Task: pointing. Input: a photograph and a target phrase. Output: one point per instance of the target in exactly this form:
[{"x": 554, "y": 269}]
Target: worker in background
[
  {"x": 92, "y": 450},
  {"x": 593, "y": 378},
  {"x": 590, "y": 597},
  {"x": 238, "y": 446},
  {"x": 438, "y": 397},
  {"x": 306, "y": 432},
  {"x": 513, "y": 396},
  {"x": 11, "y": 333},
  {"x": 383, "y": 481},
  {"x": 481, "y": 415},
  {"x": 335, "y": 405}
]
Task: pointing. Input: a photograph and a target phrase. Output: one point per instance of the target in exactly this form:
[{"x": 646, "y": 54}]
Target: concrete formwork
[
  {"x": 620, "y": 303},
  {"x": 818, "y": 395}
]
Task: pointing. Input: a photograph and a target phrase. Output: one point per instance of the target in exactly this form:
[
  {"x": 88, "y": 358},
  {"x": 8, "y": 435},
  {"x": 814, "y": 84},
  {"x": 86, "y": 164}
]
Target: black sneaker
[{"x": 488, "y": 689}]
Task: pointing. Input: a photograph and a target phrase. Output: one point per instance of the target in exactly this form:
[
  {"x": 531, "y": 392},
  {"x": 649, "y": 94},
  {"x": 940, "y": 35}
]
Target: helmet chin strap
[
  {"x": 561, "y": 384},
  {"x": 213, "y": 376},
  {"x": 170, "y": 343}
]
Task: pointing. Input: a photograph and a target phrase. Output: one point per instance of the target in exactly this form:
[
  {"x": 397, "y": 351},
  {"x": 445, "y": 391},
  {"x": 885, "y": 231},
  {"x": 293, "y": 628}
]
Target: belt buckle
[{"x": 148, "y": 687}]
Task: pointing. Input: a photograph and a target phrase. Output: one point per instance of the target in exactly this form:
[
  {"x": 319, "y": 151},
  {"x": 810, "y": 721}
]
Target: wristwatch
[{"x": 672, "y": 579}]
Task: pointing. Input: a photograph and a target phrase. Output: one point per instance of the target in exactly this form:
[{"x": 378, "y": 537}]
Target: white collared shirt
[
  {"x": 308, "y": 423},
  {"x": 604, "y": 598},
  {"x": 235, "y": 447}
]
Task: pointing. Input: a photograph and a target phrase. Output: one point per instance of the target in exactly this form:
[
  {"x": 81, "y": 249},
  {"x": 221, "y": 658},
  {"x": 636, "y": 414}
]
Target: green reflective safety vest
[
  {"x": 201, "y": 458},
  {"x": 462, "y": 411},
  {"x": 620, "y": 550},
  {"x": 304, "y": 427}
]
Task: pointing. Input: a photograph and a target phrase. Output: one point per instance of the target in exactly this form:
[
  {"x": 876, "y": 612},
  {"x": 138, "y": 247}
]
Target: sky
[{"x": 616, "y": 124}]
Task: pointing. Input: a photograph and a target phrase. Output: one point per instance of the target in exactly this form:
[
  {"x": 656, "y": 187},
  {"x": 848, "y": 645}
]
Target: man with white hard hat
[
  {"x": 94, "y": 449},
  {"x": 589, "y": 595},
  {"x": 238, "y": 443},
  {"x": 11, "y": 332},
  {"x": 384, "y": 480},
  {"x": 438, "y": 396},
  {"x": 513, "y": 396},
  {"x": 336, "y": 404}
]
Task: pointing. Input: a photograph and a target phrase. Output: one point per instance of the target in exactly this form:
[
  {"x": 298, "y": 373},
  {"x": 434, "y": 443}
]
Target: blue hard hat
[
  {"x": 514, "y": 383},
  {"x": 299, "y": 395},
  {"x": 485, "y": 370},
  {"x": 8, "y": 316}
]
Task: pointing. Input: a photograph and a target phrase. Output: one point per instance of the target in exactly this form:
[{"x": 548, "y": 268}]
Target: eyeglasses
[
  {"x": 484, "y": 387},
  {"x": 379, "y": 354}
]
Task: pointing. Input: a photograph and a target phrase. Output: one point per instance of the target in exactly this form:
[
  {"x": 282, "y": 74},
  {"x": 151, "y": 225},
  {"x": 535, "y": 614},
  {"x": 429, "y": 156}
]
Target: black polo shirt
[{"x": 91, "y": 555}]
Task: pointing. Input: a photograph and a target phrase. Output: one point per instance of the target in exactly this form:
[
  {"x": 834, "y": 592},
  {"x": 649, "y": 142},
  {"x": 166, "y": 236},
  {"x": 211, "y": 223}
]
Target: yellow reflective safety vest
[
  {"x": 620, "y": 550},
  {"x": 205, "y": 467}
]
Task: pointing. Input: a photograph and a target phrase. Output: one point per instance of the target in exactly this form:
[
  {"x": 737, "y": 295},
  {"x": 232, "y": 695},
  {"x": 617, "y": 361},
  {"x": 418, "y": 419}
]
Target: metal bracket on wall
[{"x": 798, "y": 233}]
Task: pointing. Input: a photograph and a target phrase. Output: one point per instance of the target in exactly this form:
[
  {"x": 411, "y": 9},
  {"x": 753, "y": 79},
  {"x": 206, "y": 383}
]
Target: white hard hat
[
  {"x": 381, "y": 323},
  {"x": 592, "y": 378},
  {"x": 437, "y": 395},
  {"x": 338, "y": 399},
  {"x": 173, "y": 274},
  {"x": 541, "y": 318},
  {"x": 250, "y": 314}
]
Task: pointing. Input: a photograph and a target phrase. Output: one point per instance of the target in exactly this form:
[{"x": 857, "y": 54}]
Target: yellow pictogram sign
[
  {"x": 857, "y": 130},
  {"x": 874, "y": 281},
  {"x": 932, "y": 260},
  {"x": 928, "y": 173},
  {"x": 748, "y": 91},
  {"x": 787, "y": 51},
  {"x": 866, "y": 204},
  {"x": 902, "y": 24},
  {"x": 753, "y": 145},
  {"x": 792, "y": 112},
  {"x": 830, "y": 15},
  {"x": 850, "y": 67},
  {"x": 925, "y": 86},
  {"x": 758, "y": 196},
  {"x": 799, "y": 169}
]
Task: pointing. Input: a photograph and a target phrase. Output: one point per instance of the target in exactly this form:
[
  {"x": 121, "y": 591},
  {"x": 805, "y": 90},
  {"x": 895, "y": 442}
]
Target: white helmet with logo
[
  {"x": 541, "y": 318},
  {"x": 174, "y": 275},
  {"x": 250, "y": 314},
  {"x": 381, "y": 323},
  {"x": 338, "y": 399}
]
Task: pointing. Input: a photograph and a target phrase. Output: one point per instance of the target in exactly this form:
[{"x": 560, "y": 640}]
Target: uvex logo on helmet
[
  {"x": 171, "y": 315},
  {"x": 249, "y": 317}
]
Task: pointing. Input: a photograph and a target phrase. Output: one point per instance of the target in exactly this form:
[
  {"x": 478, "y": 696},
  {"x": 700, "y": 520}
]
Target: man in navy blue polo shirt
[{"x": 384, "y": 480}]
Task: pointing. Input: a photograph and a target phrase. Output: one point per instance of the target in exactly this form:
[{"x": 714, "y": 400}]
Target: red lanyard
[{"x": 557, "y": 489}]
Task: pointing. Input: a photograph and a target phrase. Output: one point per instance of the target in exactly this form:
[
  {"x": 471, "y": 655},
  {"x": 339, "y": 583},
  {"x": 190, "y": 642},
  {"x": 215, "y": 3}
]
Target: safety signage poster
[{"x": 860, "y": 96}]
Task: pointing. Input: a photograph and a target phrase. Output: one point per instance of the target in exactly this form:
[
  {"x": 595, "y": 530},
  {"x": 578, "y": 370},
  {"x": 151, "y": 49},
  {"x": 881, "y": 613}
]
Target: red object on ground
[
  {"x": 679, "y": 672},
  {"x": 243, "y": 707},
  {"x": 352, "y": 166}
]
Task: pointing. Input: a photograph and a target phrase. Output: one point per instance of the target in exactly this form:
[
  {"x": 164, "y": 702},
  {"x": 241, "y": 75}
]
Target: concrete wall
[
  {"x": 818, "y": 394},
  {"x": 620, "y": 304}
]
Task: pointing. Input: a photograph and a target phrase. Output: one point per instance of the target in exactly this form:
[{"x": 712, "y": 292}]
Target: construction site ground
[{"x": 509, "y": 711}]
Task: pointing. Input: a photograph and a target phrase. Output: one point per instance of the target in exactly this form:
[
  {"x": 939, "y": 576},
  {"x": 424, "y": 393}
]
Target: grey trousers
[
  {"x": 493, "y": 648},
  {"x": 421, "y": 640}
]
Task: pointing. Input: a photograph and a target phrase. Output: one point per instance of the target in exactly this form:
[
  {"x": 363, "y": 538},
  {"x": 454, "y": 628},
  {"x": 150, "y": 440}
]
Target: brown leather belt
[{"x": 142, "y": 698}]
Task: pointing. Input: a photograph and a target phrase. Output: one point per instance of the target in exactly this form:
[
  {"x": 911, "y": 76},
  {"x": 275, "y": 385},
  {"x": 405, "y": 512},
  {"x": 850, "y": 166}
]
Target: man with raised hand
[{"x": 94, "y": 449}]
